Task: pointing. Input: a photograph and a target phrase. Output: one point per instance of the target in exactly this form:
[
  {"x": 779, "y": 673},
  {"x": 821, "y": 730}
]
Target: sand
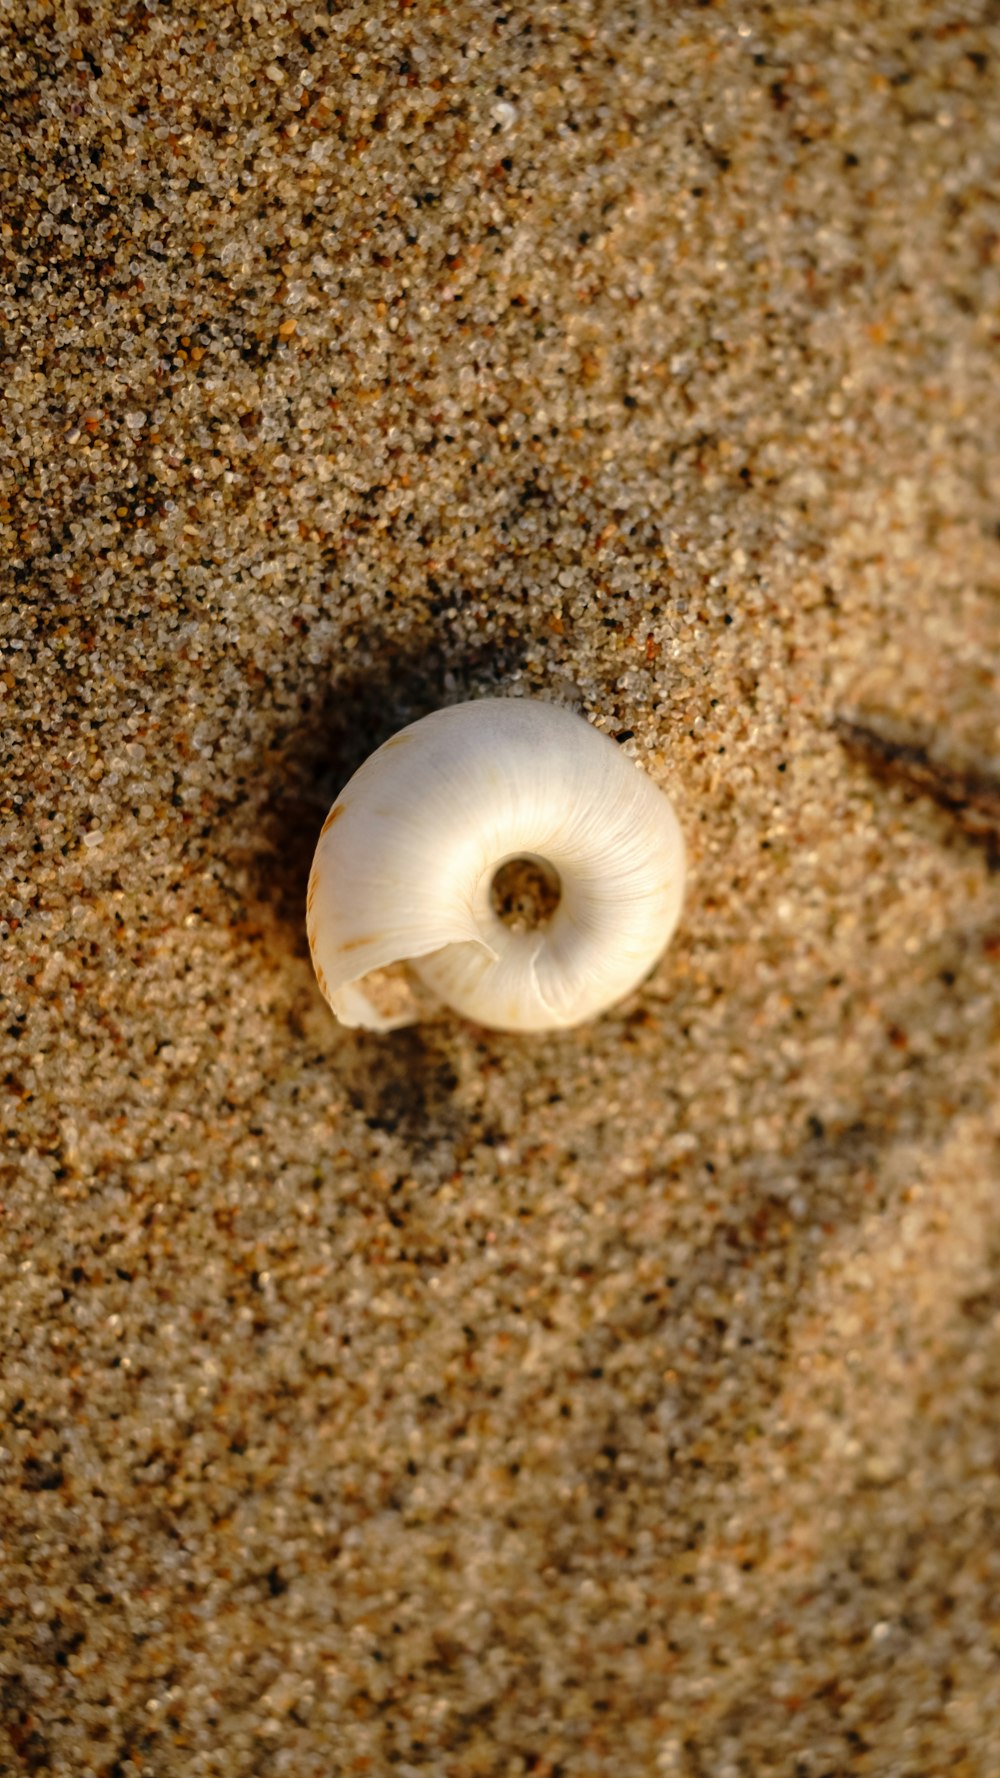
[{"x": 622, "y": 1402}]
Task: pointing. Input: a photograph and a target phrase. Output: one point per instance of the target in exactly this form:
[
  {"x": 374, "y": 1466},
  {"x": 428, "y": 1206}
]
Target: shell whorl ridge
[{"x": 406, "y": 861}]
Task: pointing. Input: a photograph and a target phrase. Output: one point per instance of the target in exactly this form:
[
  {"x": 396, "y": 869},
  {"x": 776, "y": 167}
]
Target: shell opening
[{"x": 525, "y": 892}]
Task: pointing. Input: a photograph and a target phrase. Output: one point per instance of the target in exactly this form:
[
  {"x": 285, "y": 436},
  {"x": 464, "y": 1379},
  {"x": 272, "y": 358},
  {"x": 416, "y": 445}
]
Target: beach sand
[{"x": 621, "y": 1403}]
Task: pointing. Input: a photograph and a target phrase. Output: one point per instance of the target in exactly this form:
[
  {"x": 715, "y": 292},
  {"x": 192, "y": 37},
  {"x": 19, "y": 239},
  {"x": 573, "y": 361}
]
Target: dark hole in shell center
[{"x": 525, "y": 893}]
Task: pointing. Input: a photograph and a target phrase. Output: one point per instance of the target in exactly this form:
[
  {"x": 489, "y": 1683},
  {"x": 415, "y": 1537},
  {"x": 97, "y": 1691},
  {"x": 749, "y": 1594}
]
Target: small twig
[{"x": 969, "y": 794}]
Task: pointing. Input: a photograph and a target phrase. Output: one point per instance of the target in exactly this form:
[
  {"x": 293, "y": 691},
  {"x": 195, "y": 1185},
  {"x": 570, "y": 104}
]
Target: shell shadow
[
  {"x": 404, "y": 1084},
  {"x": 404, "y": 1087}
]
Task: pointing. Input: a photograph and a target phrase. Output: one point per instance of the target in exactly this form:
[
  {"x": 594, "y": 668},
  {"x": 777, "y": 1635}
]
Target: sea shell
[{"x": 407, "y": 860}]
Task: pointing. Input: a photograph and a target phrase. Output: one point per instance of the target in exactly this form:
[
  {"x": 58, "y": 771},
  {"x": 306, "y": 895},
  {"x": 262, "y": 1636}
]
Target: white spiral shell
[{"x": 406, "y": 860}]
